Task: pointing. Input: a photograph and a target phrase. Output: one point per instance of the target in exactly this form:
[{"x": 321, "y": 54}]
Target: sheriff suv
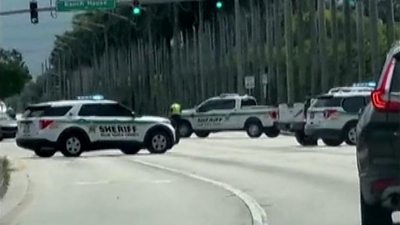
[
  {"x": 378, "y": 146},
  {"x": 333, "y": 116},
  {"x": 75, "y": 126},
  {"x": 229, "y": 112}
]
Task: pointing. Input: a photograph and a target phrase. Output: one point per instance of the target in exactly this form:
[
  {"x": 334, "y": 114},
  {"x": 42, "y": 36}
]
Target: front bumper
[
  {"x": 8, "y": 132},
  {"x": 34, "y": 144}
]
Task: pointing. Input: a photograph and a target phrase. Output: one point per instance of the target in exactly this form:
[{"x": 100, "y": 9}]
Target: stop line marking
[{"x": 258, "y": 215}]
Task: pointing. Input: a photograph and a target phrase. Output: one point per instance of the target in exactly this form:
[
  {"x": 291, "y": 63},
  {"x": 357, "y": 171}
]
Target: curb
[
  {"x": 15, "y": 195},
  {"x": 258, "y": 215}
]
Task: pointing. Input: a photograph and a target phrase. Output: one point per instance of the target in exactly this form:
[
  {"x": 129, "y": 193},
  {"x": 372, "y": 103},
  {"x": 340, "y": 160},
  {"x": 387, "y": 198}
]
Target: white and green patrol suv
[
  {"x": 229, "y": 112},
  {"x": 333, "y": 116},
  {"x": 76, "y": 126}
]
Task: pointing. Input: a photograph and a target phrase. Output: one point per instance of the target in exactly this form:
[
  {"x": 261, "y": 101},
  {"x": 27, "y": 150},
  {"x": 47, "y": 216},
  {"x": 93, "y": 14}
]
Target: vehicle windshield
[{"x": 198, "y": 112}]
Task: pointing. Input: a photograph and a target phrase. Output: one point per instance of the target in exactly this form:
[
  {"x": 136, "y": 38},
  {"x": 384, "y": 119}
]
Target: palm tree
[
  {"x": 322, "y": 46},
  {"x": 335, "y": 44},
  {"x": 390, "y": 22},
  {"x": 289, "y": 51},
  {"x": 373, "y": 33}
]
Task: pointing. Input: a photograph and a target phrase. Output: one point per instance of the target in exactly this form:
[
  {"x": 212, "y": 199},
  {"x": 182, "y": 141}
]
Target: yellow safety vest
[{"x": 176, "y": 109}]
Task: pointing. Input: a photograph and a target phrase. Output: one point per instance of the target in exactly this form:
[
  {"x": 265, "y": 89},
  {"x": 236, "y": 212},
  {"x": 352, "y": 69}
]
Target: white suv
[
  {"x": 333, "y": 117},
  {"x": 76, "y": 126}
]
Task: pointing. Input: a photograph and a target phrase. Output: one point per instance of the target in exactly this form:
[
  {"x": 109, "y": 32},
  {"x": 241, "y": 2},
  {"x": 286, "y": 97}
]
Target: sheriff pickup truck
[{"x": 229, "y": 112}]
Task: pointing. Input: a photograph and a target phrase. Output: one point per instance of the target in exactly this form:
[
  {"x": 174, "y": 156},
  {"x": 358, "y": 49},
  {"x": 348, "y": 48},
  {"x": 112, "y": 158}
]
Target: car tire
[
  {"x": 202, "y": 134},
  {"x": 72, "y": 145},
  {"x": 44, "y": 153},
  {"x": 185, "y": 129},
  {"x": 351, "y": 135},
  {"x": 333, "y": 142},
  {"x": 254, "y": 129},
  {"x": 304, "y": 140},
  {"x": 272, "y": 132},
  {"x": 159, "y": 142},
  {"x": 374, "y": 214},
  {"x": 130, "y": 150}
]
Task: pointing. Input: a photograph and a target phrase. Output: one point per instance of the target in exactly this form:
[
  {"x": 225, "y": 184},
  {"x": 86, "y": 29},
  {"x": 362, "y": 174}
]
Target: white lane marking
[
  {"x": 102, "y": 182},
  {"x": 161, "y": 181},
  {"x": 92, "y": 182},
  {"x": 258, "y": 215}
]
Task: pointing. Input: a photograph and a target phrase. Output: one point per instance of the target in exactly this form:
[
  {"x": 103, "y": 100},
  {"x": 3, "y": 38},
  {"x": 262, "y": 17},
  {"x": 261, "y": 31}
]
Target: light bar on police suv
[{"x": 91, "y": 97}]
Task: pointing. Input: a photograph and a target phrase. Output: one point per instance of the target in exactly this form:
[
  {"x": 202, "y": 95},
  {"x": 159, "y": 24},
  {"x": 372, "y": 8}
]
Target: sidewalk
[{"x": 15, "y": 195}]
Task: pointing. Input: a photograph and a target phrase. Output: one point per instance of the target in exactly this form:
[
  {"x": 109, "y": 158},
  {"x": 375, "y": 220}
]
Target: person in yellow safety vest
[
  {"x": 175, "y": 111},
  {"x": 175, "y": 117}
]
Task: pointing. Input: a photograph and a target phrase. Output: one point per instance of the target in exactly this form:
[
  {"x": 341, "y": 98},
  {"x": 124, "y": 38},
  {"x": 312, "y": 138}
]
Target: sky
[{"x": 35, "y": 42}]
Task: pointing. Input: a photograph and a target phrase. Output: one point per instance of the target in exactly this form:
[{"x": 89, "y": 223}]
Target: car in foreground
[
  {"x": 333, "y": 116},
  {"x": 76, "y": 126},
  {"x": 378, "y": 147},
  {"x": 229, "y": 112},
  {"x": 8, "y": 126}
]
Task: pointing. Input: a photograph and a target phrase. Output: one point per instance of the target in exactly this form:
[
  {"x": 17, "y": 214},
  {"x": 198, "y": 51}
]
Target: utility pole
[{"x": 238, "y": 45}]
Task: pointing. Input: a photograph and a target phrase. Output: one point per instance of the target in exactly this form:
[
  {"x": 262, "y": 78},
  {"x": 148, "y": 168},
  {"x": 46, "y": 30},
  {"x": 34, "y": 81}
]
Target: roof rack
[
  {"x": 224, "y": 95},
  {"x": 350, "y": 89}
]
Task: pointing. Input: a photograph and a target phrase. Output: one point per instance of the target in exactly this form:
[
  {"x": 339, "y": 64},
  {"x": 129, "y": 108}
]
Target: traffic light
[
  {"x": 136, "y": 9},
  {"x": 33, "y": 6},
  {"x": 219, "y": 4}
]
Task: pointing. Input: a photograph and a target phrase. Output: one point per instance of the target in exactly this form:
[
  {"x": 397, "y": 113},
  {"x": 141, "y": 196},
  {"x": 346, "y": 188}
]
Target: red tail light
[
  {"x": 329, "y": 113},
  {"x": 378, "y": 99},
  {"x": 381, "y": 185},
  {"x": 379, "y": 102},
  {"x": 43, "y": 124},
  {"x": 273, "y": 115}
]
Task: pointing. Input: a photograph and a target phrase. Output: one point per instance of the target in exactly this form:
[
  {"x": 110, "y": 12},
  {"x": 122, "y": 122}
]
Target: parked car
[{"x": 8, "y": 126}]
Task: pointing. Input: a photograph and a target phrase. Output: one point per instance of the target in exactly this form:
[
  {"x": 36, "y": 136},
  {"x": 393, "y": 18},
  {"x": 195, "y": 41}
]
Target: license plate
[{"x": 26, "y": 129}]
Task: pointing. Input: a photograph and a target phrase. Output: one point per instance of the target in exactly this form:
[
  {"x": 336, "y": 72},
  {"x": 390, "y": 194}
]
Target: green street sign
[{"x": 79, "y": 5}]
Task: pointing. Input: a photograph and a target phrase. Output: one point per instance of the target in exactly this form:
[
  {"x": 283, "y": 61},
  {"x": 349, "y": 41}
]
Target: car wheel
[
  {"x": 185, "y": 129},
  {"x": 351, "y": 135},
  {"x": 158, "y": 142},
  {"x": 332, "y": 141},
  {"x": 202, "y": 134},
  {"x": 374, "y": 214},
  {"x": 272, "y": 132},
  {"x": 304, "y": 140},
  {"x": 72, "y": 145},
  {"x": 44, "y": 153},
  {"x": 130, "y": 150},
  {"x": 254, "y": 129}
]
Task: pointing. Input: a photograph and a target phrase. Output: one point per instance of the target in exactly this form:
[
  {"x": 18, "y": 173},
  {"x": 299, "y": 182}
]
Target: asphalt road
[{"x": 294, "y": 185}]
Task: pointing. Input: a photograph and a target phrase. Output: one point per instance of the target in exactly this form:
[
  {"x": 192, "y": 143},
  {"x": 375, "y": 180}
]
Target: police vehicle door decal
[{"x": 117, "y": 130}]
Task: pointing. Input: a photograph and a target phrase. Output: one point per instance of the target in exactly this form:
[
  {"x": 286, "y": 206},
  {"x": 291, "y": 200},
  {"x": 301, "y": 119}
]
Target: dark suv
[{"x": 378, "y": 146}]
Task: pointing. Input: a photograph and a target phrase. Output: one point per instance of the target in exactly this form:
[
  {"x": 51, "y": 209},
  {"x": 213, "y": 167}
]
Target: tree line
[{"x": 187, "y": 52}]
